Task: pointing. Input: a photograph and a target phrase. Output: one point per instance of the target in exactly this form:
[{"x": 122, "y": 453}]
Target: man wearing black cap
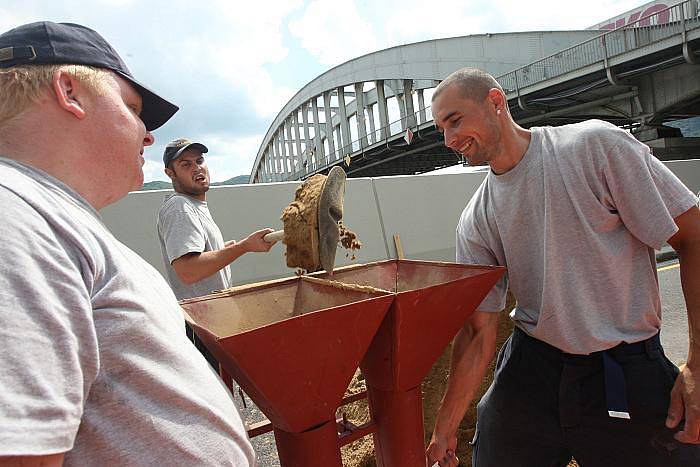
[
  {"x": 196, "y": 257},
  {"x": 95, "y": 368}
]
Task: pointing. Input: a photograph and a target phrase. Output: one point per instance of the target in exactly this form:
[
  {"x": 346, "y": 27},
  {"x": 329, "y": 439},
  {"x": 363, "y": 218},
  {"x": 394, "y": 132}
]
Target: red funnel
[
  {"x": 292, "y": 345},
  {"x": 433, "y": 300}
]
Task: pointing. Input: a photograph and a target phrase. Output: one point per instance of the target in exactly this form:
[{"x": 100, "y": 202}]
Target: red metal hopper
[{"x": 293, "y": 346}]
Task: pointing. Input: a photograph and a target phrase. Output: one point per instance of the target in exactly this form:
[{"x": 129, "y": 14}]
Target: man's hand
[
  {"x": 255, "y": 242},
  {"x": 472, "y": 351},
  {"x": 442, "y": 450},
  {"x": 685, "y": 403}
]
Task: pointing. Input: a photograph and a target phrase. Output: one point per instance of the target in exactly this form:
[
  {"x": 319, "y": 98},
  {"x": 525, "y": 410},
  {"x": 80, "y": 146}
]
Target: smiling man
[
  {"x": 196, "y": 256},
  {"x": 575, "y": 213}
]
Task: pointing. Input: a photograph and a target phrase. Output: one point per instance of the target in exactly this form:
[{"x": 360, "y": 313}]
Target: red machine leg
[
  {"x": 313, "y": 448},
  {"x": 398, "y": 415}
]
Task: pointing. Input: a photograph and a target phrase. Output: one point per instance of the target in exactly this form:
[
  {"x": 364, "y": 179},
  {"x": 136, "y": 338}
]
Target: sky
[{"x": 231, "y": 65}]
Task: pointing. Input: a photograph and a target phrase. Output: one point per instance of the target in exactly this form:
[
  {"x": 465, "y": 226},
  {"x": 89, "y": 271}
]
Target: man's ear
[
  {"x": 170, "y": 173},
  {"x": 65, "y": 89},
  {"x": 496, "y": 99}
]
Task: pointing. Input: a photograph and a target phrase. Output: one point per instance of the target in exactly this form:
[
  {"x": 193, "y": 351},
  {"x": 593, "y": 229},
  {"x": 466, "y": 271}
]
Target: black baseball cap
[
  {"x": 175, "y": 148},
  {"x": 47, "y": 43}
]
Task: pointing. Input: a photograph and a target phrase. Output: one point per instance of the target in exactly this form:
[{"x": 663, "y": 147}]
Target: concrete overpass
[{"x": 372, "y": 114}]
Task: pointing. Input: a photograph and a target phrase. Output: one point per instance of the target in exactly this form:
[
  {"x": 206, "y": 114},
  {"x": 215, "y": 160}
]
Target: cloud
[
  {"x": 334, "y": 32},
  {"x": 334, "y": 35},
  {"x": 228, "y": 157},
  {"x": 153, "y": 171},
  {"x": 213, "y": 57}
]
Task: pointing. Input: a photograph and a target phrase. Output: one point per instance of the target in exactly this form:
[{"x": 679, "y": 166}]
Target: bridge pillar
[
  {"x": 297, "y": 142},
  {"x": 287, "y": 162},
  {"x": 383, "y": 112},
  {"x": 408, "y": 103},
  {"x": 372, "y": 129},
  {"x": 307, "y": 137},
  {"x": 360, "y": 114},
  {"x": 329, "y": 126},
  {"x": 319, "y": 149},
  {"x": 421, "y": 107}
]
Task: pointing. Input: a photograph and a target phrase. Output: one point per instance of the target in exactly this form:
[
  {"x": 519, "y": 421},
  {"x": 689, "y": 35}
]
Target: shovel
[{"x": 311, "y": 230}]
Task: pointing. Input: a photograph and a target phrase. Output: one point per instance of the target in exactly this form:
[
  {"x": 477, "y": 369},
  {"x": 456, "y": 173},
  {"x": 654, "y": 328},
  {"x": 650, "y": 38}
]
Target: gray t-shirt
[
  {"x": 186, "y": 226},
  {"x": 95, "y": 361},
  {"x": 575, "y": 223}
]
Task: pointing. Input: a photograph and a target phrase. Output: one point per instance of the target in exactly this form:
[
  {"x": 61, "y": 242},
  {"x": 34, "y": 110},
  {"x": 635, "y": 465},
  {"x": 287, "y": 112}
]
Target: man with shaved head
[{"x": 574, "y": 213}]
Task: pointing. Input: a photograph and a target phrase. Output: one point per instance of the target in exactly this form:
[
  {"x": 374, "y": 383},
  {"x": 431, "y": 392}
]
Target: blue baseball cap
[{"x": 48, "y": 43}]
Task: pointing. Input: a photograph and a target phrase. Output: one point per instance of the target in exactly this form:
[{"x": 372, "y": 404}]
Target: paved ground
[
  {"x": 674, "y": 336},
  {"x": 674, "y": 330}
]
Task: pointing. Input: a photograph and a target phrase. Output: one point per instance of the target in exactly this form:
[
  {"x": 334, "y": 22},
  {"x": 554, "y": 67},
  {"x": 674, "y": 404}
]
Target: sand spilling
[{"x": 349, "y": 241}]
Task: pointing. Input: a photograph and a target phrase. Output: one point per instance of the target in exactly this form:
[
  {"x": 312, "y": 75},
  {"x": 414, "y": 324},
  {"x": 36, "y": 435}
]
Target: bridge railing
[
  {"x": 312, "y": 162},
  {"x": 672, "y": 21}
]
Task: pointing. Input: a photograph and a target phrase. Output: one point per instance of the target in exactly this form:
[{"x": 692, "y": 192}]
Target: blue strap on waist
[{"x": 615, "y": 387}]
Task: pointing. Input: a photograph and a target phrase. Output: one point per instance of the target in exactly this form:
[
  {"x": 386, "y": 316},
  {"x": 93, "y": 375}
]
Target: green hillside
[{"x": 161, "y": 185}]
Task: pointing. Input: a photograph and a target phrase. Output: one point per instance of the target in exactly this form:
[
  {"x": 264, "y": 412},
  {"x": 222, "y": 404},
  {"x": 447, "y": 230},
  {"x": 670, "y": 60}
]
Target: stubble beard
[{"x": 193, "y": 191}]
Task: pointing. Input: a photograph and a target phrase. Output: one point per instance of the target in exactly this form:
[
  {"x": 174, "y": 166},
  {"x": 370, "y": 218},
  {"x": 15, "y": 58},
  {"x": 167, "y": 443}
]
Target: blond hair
[{"x": 22, "y": 86}]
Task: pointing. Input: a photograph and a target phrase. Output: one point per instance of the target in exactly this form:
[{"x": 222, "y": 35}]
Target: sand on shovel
[{"x": 300, "y": 220}]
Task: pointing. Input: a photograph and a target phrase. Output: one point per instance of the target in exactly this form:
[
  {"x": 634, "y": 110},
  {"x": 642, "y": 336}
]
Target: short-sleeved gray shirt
[
  {"x": 575, "y": 223},
  {"x": 185, "y": 226},
  {"x": 95, "y": 361}
]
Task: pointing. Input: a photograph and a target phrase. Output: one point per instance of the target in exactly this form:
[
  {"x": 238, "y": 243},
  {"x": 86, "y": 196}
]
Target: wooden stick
[
  {"x": 399, "y": 248},
  {"x": 275, "y": 236}
]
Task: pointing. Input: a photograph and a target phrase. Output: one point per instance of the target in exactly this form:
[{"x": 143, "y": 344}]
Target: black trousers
[{"x": 545, "y": 406}]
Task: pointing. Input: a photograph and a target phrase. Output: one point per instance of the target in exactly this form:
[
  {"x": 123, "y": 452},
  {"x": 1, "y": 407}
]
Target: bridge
[{"x": 372, "y": 114}]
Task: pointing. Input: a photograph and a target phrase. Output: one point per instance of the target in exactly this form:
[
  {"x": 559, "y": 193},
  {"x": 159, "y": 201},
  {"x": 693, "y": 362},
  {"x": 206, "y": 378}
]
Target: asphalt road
[{"x": 674, "y": 327}]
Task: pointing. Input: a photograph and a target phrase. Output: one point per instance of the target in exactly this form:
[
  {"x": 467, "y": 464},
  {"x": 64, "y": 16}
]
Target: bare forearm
[
  {"x": 472, "y": 353},
  {"x": 195, "y": 267},
  {"x": 686, "y": 242},
  {"x": 690, "y": 281}
]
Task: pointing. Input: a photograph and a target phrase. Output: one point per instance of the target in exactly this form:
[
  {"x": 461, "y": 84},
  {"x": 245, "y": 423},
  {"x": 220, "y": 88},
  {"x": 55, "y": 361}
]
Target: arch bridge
[{"x": 372, "y": 114}]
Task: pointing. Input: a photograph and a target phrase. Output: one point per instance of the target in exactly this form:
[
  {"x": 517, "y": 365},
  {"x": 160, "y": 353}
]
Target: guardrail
[{"x": 656, "y": 27}]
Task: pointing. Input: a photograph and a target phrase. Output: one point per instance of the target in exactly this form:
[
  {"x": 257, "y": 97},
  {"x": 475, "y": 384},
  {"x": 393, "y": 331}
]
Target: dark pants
[{"x": 545, "y": 407}]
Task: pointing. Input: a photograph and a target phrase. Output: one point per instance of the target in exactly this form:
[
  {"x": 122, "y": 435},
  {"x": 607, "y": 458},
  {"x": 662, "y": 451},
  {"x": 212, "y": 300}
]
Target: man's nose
[
  {"x": 449, "y": 139},
  {"x": 148, "y": 139}
]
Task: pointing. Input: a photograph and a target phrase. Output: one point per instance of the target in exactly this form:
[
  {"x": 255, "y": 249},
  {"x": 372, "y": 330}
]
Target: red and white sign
[{"x": 646, "y": 15}]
